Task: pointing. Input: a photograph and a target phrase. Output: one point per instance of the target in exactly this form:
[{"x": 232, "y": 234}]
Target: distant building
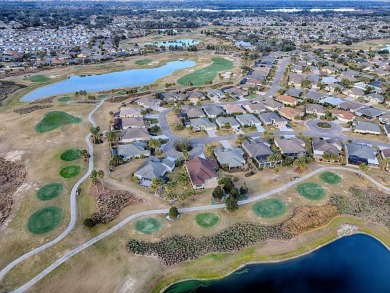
[{"x": 202, "y": 173}]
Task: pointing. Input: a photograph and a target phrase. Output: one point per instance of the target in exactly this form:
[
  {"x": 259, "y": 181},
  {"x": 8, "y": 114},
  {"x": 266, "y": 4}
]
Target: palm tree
[
  {"x": 209, "y": 150},
  {"x": 186, "y": 155},
  {"x": 170, "y": 187},
  {"x": 300, "y": 163},
  {"x": 100, "y": 175},
  {"x": 111, "y": 136},
  {"x": 84, "y": 153},
  {"x": 183, "y": 179},
  {"x": 95, "y": 131},
  {"x": 94, "y": 178},
  {"x": 156, "y": 185}
]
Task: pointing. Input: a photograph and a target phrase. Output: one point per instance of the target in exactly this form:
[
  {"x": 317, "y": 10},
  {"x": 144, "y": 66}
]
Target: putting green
[
  {"x": 70, "y": 155},
  {"x": 50, "y": 191},
  {"x": 55, "y": 119},
  {"x": 44, "y": 220},
  {"x": 207, "y": 220},
  {"x": 330, "y": 178},
  {"x": 70, "y": 171},
  {"x": 143, "y": 61},
  {"x": 38, "y": 78},
  {"x": 65, "y": 99},
  {"x": 148, "y": 226},
  {"x": 210, "y": 72},
  {"x": 311, "y": 191},
  {"x": 269, "y": 208}
]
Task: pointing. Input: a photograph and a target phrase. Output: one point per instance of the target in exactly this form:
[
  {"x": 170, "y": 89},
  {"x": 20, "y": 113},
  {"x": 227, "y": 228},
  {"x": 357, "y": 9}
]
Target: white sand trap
[
  {"x": 14, "y": 156},
  {"x": 226, "y": 75},
  {"x": 54, "y": 76},
  {"x": 128, "y": 286},
  {"x": 191, "y": 70}
]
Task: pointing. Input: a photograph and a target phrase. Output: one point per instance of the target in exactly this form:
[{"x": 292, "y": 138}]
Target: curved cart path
[
  {"x": 184, "y": 210},
  {"x": 73, "y": 205}
]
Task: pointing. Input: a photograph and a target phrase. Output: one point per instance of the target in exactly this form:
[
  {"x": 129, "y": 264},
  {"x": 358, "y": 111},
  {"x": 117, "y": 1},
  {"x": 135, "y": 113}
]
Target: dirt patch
[
  {"x": 27, "y": 110},
  {"x": 109, "y": 203},
  {"x": 7, "y": 88},
  {"x": 306, "y": 218},
  {"x": 14, "y": 156},
  {"x": 11, "y": 178}
]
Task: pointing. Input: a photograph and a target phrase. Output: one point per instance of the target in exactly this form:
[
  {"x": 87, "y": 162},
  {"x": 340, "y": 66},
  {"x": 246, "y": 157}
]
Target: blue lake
[
  {"x": 179, "y": 43},
  {"x": 352, "y": 264},
  {"x": 114, "y": 80}
]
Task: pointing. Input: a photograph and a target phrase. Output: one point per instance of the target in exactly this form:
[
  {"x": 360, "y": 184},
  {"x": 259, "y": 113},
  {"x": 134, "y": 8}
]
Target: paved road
[
  {"x": 73, "y": 206},
  {"x": 169, "y": 148},
  {"x": 184, "y": 210}
]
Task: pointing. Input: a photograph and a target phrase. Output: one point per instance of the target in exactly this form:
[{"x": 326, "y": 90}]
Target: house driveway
[
  {"x": 259, "y": 128},
  {"x": 212, "y": 133},
  {"x": 285, "y": 128},
  {"x": 226, "y": 144}
]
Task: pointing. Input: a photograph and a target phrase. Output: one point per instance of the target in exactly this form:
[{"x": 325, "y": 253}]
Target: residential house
[
  {"x": 130, "y": 112},
  {"x": 287, "y": 100},
  {"x": 353, "y": 92},
  {"x": 387, "y": 130},
  {"x": 331, "y": 101},
  {"x": 134, "y": 134},
  {"x": 254, "y": 108},
  {"x": 366, "y": 127},
  {"x": 202, "y": 173},
  {"x": 272, "y": 105},
  {"x": 334, "y": 88},
  {"x": 350, "y": 106},
  {"x": 191, "y": 113},
  {"x": 386, "y": 156},
  {"x": 230, "y": 158},
  {"x": 248, "y": 120},
  {"x": 314, "y": 96},
  {"x": 223, "y": 121},
  {"x": 173, "y": 96},
  {"x": 200, "y": 124},
  {"x": 153, "y": 168},
  {"x": 290, "y": 113},
  {"x": 233, "y": 109},
  {"x": 326, "y": 146},
  {"x": 369, "y": 112},
  {"x": 133, "y": 122},
  {"x": 148, "y": 102},
  {"x": 295, "y": 79},
  {"x": 213, "y": 111},
  {"x": 259, "y": 150},
  {"x": 272, "y": 118},
  {"x": 315, "y": 109},
  {"x": 342, "y": 115},
  {"x": 374, "y": 98},
  {"x": 291, "y": 147},
  {"x": 361, "y": 154},
  {"x": 133, "y": 150},
  {"x": 196, "y": 96},
  {"x": 216, "y": 94},
  {"x": 296, "y": 93},
  {"x": 385, "y": 118}
]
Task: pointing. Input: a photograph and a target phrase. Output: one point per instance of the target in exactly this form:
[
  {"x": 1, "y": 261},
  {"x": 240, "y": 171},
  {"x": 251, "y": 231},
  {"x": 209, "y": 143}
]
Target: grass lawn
[
  {"x": 269, "y": 208},
  {"x": 210, "y": 72},
  {"x": 38, "y": 78},
  {"x": 311, "y": 191},
  {"x": 103, "y": 96},
  {"x": 143, "y": 61},
  {"x": 70, "y": 155},
  {"x": 250, "y": 97},
  {"x": 65, "y": 99},
  {"x": 207, "y": 220},
  {"x": 148, "y": 225},
  {"x": 44, "y": 220},
  {"x": 50, "y": 191},
  {"x": 70, "y": 171},
  {"x": 55, "y": 119},
  {"x": 330, "y": 178}
]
